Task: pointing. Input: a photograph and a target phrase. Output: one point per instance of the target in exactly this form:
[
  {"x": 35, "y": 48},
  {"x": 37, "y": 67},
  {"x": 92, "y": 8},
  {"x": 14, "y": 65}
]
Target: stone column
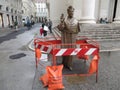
[
  {"x": 117, "y": 17},
  {"x": 111, "y": 10},
  {"x": 88, "y": 11}
]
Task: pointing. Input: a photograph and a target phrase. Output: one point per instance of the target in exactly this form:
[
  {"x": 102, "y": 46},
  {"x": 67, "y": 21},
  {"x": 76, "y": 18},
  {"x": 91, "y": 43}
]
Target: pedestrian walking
[
  {"x": 50, "y": 25},
  {"x": 28, "y": 24},
  {"x": 42, "y": 30},
  {"x": 45, "y": 30},
  {"x": 16, "y": 25}
]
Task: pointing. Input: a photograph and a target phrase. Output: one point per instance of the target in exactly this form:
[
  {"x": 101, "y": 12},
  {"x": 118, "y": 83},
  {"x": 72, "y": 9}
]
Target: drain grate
[{"x": 17, "y": 56}]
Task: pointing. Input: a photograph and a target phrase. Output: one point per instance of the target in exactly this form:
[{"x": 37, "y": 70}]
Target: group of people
[
  {"x": 29, "y": 24},
  {"x": 46, "y": 26},
  {"x": 14, "y": 25},
  {"x": 103, "y": 20}
]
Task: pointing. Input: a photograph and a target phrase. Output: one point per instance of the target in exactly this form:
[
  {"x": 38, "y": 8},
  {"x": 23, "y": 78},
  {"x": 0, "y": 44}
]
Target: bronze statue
[{"x": 69, "y": 28}]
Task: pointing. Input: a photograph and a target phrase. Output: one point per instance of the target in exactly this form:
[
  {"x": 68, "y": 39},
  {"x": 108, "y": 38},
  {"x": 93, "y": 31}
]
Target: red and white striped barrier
[
  {"x": 77, "y": 51},
  {"x": 45, "y": 48}
]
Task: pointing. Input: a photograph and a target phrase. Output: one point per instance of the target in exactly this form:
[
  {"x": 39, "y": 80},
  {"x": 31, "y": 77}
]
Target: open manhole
[{"x": 17, "y": 56}]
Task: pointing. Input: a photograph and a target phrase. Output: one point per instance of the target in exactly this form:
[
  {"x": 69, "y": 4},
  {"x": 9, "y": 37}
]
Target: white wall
[
  {"x": 77, "y": 4},
  {"x": 57, "y": 7},
  {"x": 104, "y": 8}
]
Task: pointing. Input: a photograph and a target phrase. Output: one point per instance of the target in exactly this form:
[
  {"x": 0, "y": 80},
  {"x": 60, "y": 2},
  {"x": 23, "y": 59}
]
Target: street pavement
[
  {"x": 17, "y": 62},
  {"x": 18, "y": 72}
]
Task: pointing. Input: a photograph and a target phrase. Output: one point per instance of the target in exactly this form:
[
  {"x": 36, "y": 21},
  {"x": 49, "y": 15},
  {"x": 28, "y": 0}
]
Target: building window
[
  {"x": 22, "y": 12},
  {"x": 7, "y": 9},
  {"x": 15, "y": 11},
  {"x": 0, "y": 7},
  {"x": 11, "y": 10}
]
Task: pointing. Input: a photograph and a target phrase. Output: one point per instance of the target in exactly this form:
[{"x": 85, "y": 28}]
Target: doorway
[
  {"x": 1, "y": 20},
  {"x": 8, "y": 20},
  {"x": 115, "y": 7}
]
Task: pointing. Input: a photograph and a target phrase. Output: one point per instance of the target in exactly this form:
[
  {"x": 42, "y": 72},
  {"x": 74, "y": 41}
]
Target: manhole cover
[{"x": 17, "y": 56}]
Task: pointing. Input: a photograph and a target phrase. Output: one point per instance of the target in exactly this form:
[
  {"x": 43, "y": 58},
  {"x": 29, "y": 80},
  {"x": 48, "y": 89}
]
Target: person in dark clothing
[
  {"x": 45, "y": 30},
  {"x": 50, "y": 26},
  {"x": 28, "y": 24}
]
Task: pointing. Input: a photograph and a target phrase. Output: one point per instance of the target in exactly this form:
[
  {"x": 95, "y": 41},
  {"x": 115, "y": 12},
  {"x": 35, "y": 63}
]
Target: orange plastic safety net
[
  {"x": 94, "y": 65},
  {"x": 44, "y": 79},
  {"x": 38, "y": 53}
]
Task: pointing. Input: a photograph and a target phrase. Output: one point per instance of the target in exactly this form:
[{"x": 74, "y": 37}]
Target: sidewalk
[
  {"x": 5, "y": 31},
  {"x": 106, "y": 46}
]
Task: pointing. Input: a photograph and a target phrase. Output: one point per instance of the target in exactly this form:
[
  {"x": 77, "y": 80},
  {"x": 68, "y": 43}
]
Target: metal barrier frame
[{"x": 92, "y": 48}]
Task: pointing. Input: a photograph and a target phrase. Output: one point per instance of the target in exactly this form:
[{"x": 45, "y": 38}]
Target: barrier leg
[
  {"x": 96, "y": 76},
  {"x": 97, "y": 72},
  {"x": 36, "y": 62},
  {"x": 54, "y": 60}
]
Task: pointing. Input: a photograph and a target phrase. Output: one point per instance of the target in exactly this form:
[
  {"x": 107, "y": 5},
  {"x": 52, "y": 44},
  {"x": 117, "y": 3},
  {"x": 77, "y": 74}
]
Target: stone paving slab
[
  {"x": 106, "y": 46},
  {"x": 108, "y": 78}
]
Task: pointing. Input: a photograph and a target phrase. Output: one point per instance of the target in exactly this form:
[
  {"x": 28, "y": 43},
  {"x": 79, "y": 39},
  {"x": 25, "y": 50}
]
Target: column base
[{"x": 116, "y": 20}]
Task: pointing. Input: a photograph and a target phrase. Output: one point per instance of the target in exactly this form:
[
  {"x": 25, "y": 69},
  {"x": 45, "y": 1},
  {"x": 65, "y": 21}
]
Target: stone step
[
  {"x": 98, "y": 31},
  {"x": 56, "y": 33},
  {"x": 101, "y": 31}
]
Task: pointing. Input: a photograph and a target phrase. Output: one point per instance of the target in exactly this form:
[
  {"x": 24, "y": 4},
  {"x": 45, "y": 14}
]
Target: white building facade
[
  {"x": 42, "y": 10},
  {"x": 28, "y": 10},
  {"x": 86, "y": 11},
  {"x": 10, "y": 11}
]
